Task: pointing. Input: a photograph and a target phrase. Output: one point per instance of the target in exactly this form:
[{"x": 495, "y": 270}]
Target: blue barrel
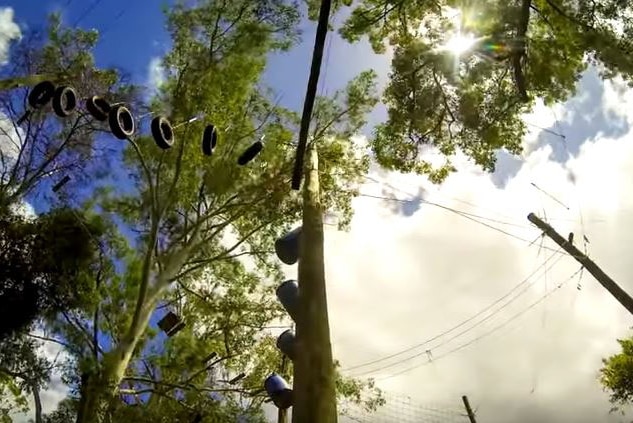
[
  {"x": 279, "y": 391},
  {"x": 287, "y": 247},
  {"x": 287, "y": 344},
  {"x": 288, "y": 295}
]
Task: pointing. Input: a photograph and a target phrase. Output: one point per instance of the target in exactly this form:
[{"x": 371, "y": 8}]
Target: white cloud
[
  {"x": 395, "y": 281},
  {"x": 56, "y": 389},
  {"x": 9, "y": 31},
  {"x": 155, "y": 73},
  {"x": 10, "y": 143}
]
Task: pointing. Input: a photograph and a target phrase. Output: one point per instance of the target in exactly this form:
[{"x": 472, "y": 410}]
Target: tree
[
  {"x": 46, "y": 266},
  {"x": 616, "y": 376},
  {"x": 21, "y": 371},
  {"x": 205, "y": 226},
  {"x": 46, "y": 147},
  {"x": 473, "y": 103}
]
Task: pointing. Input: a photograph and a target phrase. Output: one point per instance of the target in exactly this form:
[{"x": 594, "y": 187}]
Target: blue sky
[
  {"x": 405, "y": 259},
  {"x": 134, "y": 32}
]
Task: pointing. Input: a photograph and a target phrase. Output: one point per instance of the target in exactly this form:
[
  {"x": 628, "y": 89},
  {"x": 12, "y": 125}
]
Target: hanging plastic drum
[
  {"x": 287, "y": 247},
  {"x": 286, "y": 343},
  {"x": 279, "y": 391},
  {"x": 288, "y": 295}
]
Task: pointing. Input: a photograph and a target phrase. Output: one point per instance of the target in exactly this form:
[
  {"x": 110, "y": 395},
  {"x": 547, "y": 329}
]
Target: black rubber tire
[
  {"x": 162, "y": 132},
  {"x": 209, "y": 140},
  {"x": 250, "y": 153},
  {"x": 121, "y": 122},
  {"x": 64, "y": 101},
  {"x": 41, "y": 94},
  {"x": 98, "y": 107}
]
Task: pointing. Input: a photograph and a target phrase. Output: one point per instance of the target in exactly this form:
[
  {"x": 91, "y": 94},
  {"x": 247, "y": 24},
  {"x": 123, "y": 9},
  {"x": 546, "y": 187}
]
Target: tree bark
[
  {"x": 314, "y": 382},
  {"x": 38, "y": 403},
  {"x": 101, "y": 391},
  {"x": 520, "y": 53}
]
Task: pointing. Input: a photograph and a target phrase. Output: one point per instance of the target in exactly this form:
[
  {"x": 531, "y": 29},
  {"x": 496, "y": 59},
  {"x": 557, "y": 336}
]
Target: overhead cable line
[
  {"x": 490, "y": 332},
  {"x": 523, "y": 284}
]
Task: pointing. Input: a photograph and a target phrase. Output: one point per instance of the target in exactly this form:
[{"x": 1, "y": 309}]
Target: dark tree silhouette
[{"x": 45, "y": 265}]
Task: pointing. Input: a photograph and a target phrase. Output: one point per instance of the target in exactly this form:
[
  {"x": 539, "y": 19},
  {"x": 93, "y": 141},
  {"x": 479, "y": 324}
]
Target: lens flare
[{"x": 460, "y": 43}]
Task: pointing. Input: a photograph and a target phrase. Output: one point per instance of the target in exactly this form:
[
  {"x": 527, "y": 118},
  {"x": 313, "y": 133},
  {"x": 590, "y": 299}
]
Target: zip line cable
[
  {"x": 473, "y": 205},
  {"x": 447, "y": 341},
  {"x": 468, "y": 216},
  {"x": 490, "y": 332},
  {"x": 457, "y": 335},
  {"x": 490, "y": 219},
  {"x": 506, "y": 295},
  {"x": 464, "y": 215},
  {"x": 87, "y": 12}
]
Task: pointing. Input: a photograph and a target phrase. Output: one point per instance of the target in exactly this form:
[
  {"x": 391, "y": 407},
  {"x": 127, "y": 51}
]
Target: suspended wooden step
[
  {"x": 287, "y": 344},
  {"x": 237, "y": 378},
  {"x": 61, "y": 183},
  {"x": 288, "y": 296},
  {"x": 171, "y": 324},
  {"x": 279, "y": 391},
  {"x": 209, "y": 357},
  {"x": 287, "y": 247}
]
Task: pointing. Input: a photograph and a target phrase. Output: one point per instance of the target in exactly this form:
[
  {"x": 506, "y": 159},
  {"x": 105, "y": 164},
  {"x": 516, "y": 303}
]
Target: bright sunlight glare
[{"x": 459, "y": 43}]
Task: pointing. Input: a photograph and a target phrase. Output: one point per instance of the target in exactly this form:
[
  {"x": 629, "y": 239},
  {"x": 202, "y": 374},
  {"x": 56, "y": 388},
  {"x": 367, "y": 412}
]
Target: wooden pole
[
  {"x": 313, "y": 82},
  {"x": 608, "y": 283},
  {"x": 314, "y": 382},
  {"x": 471, "y": 415}
]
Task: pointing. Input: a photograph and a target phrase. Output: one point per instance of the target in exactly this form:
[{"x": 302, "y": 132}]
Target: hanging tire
[
  {"x": 41, "y": 94},
  {"x": 250, "y": 153},
  {"x": 162, "y": 132},
  {"x": 64, "y": 101},
  {"x": 98, "y": 108},
  {"x": 121, "y": 122},
  {"x": 209, "y": 140}
]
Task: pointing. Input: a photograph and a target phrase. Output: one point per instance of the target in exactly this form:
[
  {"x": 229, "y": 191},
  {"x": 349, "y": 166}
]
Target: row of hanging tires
[{"x": 64, "y": 101}]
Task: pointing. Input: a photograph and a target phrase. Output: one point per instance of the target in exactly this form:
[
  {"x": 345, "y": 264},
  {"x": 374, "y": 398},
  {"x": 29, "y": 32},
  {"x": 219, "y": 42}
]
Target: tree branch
[
  {"x": 518, "y": 54},
  {"x": 53, "y": 340}
]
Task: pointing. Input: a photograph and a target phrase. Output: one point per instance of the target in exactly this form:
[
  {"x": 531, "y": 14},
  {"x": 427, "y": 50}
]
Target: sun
[{"x": 459, "y": 43}]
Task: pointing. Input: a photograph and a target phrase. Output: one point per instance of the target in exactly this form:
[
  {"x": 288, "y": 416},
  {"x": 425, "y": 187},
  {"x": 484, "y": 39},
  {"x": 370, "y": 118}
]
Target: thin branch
[
  {"x": 78, "y": 326},
  {"x": 53, "y": 340},
  {"x": 148, "y": 175},
  {"x": 561, "y": 12}
]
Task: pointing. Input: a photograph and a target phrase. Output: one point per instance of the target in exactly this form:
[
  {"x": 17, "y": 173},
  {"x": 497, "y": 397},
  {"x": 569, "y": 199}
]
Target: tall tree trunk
[
  {"x": 101, "y": 391},
  {"x": 38, "y": 403},
  {"x": 314, "y": 382}
]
